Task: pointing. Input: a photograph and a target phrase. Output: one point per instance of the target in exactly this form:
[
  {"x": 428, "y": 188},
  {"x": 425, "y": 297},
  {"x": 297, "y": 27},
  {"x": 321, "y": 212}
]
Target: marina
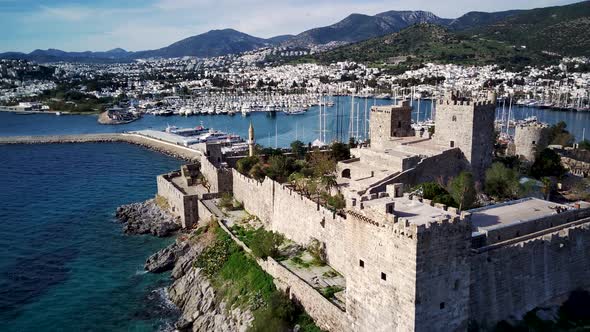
[{"x": 278, "y": 130}]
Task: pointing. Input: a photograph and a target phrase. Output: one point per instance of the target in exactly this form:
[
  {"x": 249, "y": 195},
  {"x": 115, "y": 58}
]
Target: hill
[
  {"x": 209, "y": 44},
  {"x": 425, "y": 42},
  {"x": 559, "y": 29},
  {"x": 357, "y": 27},
  {"x": 479, "y": 19},
  {"x": 54, "y": 55}
]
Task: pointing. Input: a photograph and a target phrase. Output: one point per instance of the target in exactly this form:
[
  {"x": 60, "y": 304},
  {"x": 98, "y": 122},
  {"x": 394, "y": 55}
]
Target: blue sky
[{"x": 101, "y": 25}]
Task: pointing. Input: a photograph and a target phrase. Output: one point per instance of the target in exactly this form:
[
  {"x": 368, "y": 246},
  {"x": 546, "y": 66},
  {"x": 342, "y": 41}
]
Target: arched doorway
[{"x": 346, "y": 173}]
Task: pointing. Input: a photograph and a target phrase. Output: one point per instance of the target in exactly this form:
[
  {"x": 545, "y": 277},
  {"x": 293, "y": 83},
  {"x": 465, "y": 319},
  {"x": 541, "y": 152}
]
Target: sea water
[{"x": 66, "y": 264}]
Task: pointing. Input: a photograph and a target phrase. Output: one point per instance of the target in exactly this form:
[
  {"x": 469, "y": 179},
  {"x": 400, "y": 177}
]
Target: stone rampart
[
  {"x": 288, "y": 212},
  {"x": 503, "y": 233},
  {"x": 182, "y": 205},
  {"x": 219, "y": 178},
  {"x": 509, "y": 280},
  {"x": 325, "y": 314},
  {"x": 450, "y": 162}
]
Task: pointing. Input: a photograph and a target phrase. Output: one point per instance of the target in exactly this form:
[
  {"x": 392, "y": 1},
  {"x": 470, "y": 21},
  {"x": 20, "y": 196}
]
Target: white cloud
[{"x": 71, "y": 14}]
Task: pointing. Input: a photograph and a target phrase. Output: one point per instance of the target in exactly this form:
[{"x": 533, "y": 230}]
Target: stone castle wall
[
  {"x": 450, "y": 162},
  {"x": 372, "y": 303},
  {"x": 501, "y": 234},
  {"x": 326, "y": 315},
  {"x": 443, "y": 276},
  {"x": 509, "y": 280},
  {"x": 297, "y": 217},
  {"x": 181, "y": 205},
  {"x": 220, "y": 179}
]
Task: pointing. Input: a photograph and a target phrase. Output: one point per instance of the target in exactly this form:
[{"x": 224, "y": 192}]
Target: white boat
[
  {"x": 246, "y": 109},
  {"x": 294, "y": 111}
]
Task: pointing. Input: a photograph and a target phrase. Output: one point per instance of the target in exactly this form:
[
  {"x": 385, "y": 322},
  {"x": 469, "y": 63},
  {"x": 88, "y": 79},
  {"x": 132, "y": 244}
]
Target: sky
[{"x": 100, "y": 25}]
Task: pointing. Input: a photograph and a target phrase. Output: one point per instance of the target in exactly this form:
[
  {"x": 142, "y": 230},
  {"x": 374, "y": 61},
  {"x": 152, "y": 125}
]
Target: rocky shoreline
[
  {"x": 191, "y": 291},
  {"x": 147, "y": 218}
]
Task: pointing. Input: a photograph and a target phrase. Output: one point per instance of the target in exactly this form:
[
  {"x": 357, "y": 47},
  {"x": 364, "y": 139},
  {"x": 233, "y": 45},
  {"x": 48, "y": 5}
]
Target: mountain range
[{"x": 560, "y": 29}]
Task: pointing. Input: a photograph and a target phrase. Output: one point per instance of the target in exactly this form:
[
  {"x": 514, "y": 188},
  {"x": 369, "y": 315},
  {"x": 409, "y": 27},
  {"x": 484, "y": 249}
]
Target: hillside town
[{"x": 564, "y": 86}]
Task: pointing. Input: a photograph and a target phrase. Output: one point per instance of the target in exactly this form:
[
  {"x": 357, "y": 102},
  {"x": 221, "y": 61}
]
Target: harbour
[{"x": 272, "y": 131}]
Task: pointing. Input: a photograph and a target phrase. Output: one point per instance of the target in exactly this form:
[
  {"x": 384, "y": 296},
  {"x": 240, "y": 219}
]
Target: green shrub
[
  {"x": 337, "y": 202},
  {"x": 317, "y": 251},
  {"x": 547, "y": 164},
  {"x": 265, "y": 243},
  {"x": 329, "y": 291},
  {"x": 501, "y": 182},
  {"x": 244, "y": 165},
  {"x": 226, "y": 201},
  {"x": 241, "y": 282}
]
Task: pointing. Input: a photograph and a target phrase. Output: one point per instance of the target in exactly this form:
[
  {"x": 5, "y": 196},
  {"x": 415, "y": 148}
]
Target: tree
[
  {"x": 278, "y": 168},
  {"x": 244, "y": 165},
  {"x": 322, "y": 163},
  {"x": 257, "y": 172},
  {"x": 265, "y": 243},
  {"x": 340, "y": 151},
  {"x": 501, "y": 182},
  {"x": 435, "y": 192},
  {"x": 547, "y": 164},
  {"x": 558, "y": 135},
  {"x": 337, "y": 202},
  {"x": 298, "y": 149},
  {"x": 462, "y": 189},
  {"x": 584, "y": 145}
]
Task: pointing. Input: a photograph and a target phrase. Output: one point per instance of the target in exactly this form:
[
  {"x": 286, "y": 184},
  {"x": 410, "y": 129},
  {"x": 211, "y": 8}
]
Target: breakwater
[{"x": 167, "y": 148}]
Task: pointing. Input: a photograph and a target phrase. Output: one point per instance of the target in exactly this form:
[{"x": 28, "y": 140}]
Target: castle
[{"x": 410, "y": 264}]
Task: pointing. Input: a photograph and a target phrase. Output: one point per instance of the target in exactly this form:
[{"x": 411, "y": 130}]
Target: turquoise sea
[{"x": 65, "y": 263}]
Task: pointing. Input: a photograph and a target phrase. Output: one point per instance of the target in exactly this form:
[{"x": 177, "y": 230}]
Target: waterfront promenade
[{"x": 147, "y": 142}]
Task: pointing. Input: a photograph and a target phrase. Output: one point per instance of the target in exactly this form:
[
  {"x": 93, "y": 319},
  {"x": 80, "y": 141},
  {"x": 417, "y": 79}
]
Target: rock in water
[
  {"x": 147, "y": 218},
  {"x": 165, "y": 259}
]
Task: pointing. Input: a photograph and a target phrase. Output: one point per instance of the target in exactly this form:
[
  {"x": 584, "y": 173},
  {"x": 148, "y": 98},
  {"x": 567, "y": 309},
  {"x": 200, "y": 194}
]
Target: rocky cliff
[
  {"x": 192, "y": 292},
  {"x": 201, "y": 310}
]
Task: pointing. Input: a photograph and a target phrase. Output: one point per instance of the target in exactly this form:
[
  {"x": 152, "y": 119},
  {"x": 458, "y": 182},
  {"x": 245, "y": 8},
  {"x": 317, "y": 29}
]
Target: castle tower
[
  {"x": 405, "y": 275},
  {"x": 251, "y": 140},
  {"x": 529, "y": 139},
  {"x": 468, "y": 124},
  {"x": 390, "y": 121}
]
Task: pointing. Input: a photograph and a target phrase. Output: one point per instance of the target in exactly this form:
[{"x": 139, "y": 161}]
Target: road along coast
[{"x": 167, "y": 148}]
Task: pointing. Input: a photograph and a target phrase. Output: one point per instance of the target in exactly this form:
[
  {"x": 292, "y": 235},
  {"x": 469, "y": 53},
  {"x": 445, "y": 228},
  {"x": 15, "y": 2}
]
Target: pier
[{"x": 171, "y": 149}]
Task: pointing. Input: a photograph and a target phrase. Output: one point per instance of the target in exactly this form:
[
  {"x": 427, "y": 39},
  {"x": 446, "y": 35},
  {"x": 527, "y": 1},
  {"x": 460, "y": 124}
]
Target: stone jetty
[{"x": 171, "y": 149}]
